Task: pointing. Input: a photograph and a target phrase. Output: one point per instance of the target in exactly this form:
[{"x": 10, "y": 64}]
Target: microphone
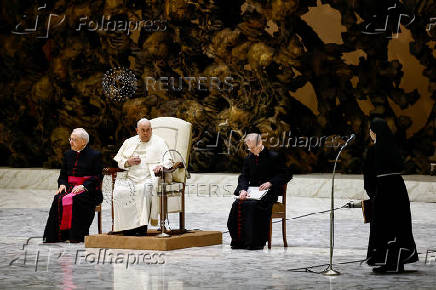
[
  {"x": 353, "y": 204},
  {"x": 352, "y": 136}
]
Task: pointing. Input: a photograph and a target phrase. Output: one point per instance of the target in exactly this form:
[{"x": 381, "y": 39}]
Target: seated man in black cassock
[
  {"x": 249, "y": 219},
  {"x": 73, "y": 207}
]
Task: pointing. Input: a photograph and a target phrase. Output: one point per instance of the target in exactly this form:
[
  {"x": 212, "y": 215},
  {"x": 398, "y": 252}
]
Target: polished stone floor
[{"x": 26, "y": 263}]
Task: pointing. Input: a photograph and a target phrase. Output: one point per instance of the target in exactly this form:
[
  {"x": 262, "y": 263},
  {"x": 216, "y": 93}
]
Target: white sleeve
[{"x": 120, "y": 158}]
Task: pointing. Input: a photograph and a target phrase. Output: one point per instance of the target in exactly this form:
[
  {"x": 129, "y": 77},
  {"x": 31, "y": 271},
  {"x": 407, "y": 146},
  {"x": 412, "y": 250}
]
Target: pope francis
[{"x": 135, "y": 197}]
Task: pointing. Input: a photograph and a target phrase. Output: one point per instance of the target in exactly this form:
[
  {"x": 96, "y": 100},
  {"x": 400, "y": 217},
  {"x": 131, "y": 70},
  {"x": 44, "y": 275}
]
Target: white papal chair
[{"x": 177, "y": 134}]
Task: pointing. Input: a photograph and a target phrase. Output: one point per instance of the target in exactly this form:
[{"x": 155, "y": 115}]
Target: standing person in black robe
[
  {"x": 391, "y": 243},
  {"x": 73, "y": 208},
  {"x": 249, "y": 220}
]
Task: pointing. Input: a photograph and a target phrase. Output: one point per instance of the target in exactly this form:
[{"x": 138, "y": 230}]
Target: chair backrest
[{"x": 177, "y": 134}]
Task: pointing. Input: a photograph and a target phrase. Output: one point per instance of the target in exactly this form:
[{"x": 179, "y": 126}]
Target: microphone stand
[
  {"x": 163, "y": 199},
  {"x": 163, "y": 203},
  {"x": 329, "y": 271}
]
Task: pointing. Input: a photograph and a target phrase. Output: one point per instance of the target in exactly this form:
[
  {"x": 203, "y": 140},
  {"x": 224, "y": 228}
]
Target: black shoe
[
  {"x": 141, "y": 231},
  {"x": 113, "y": 233},
  {"x": 129, "y": 232},
  {"x": 397, "y": 269},
  {"x": 389, "y": 269},
  {"x": 380, "y": 270},
  {"x": 255, "y": 248}
]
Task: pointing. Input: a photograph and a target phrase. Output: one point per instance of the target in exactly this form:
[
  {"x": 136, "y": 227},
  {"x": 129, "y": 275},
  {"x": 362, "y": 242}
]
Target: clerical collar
[{"x": 78, "y": 151}]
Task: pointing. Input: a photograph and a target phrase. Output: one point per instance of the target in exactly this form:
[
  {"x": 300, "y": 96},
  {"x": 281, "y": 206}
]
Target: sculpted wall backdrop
[{"x": 306, "y": 73}]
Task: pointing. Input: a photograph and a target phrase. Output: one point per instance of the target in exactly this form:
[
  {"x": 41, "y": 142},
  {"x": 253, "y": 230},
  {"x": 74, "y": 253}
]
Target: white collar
[{"x": 141, "y": 142}]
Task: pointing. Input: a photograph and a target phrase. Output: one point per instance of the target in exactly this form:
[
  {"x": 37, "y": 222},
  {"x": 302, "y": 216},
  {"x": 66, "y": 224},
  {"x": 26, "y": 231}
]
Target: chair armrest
[{"x": 176, "y": 166}]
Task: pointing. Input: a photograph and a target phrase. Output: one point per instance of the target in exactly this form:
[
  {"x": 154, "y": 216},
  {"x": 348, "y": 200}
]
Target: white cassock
[{"x": 135, "y": 197}]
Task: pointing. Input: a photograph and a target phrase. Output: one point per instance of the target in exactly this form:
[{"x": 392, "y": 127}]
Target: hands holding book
[
  {"x": 244, "y": 194},
  {"x": 265, "y": 186}
]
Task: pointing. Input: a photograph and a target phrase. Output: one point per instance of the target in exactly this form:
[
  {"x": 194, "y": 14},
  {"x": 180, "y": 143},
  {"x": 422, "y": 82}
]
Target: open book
[{"x": 255, "y": 193}]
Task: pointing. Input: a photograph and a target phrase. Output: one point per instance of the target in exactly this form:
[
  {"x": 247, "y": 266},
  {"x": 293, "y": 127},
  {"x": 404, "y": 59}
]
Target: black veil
[{"x": 387, "y": 155}]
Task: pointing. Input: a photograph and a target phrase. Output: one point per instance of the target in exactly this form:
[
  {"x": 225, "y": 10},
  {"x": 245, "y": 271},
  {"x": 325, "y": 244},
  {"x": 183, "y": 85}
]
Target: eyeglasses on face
[{"x": 249, "y": 148}]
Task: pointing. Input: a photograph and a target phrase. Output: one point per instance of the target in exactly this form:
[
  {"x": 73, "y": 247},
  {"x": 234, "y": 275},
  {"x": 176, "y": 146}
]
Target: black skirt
[
  {"x": 391, "y": 240},
  {"x": 83, "y": 213},
  {"x": 249, "y": 222}
]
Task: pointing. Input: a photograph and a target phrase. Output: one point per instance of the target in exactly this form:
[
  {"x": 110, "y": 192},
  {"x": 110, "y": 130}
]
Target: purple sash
[{"x": 67, "y": 201}]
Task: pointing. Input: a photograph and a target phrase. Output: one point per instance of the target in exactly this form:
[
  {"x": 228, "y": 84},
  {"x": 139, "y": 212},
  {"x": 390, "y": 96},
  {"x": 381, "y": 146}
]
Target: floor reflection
[
  {"x": 137, "y": 278},
  {"x": 67, "y": 264},
  {"x": 72, "y": 266}
]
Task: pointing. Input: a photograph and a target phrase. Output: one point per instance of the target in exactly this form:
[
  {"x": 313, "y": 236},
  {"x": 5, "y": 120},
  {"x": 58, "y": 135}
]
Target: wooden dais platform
[{"x": 152, "y": 242}]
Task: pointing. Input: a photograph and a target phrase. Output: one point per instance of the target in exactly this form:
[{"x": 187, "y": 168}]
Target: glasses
[
  {"x": 249, "y": 148},
  {"x": 73, "y": 139}
]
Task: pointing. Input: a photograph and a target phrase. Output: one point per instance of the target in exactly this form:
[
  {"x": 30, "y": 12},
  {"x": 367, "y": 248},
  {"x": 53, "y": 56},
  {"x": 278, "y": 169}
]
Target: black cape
[
  {"x": 84, "y": 163},
  {"x": 248, "y": 221}
]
